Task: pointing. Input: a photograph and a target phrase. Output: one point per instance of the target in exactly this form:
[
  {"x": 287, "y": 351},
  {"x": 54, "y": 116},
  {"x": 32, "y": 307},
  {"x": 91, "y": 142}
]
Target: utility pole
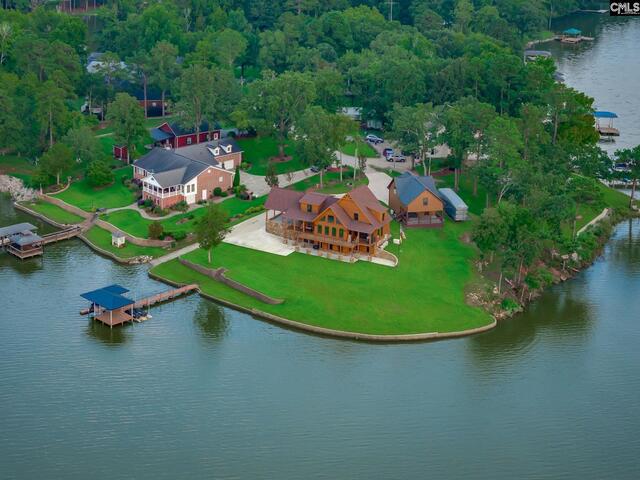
[{"x": 391, "y": 3}]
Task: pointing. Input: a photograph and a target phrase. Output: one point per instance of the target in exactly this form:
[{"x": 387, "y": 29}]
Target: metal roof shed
[{"x": 454, "y": 205}]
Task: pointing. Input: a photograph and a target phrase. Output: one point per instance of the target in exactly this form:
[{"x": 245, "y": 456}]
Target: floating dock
[{"x": 111, "y": 307}]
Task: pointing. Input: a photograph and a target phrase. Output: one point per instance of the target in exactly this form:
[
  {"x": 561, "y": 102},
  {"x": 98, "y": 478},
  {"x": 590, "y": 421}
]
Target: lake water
[
  {"x": 607, "y": 69},
  {"x": 201, "y": 391}
]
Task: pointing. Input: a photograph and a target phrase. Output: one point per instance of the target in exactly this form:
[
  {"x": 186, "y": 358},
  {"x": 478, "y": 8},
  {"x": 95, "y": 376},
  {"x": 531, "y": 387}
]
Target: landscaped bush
[
  {"x": 155, "y": 230},
  {"x": 181, "y": 206},
  {"x": 256, "y": 209},
  {"x": 217, "y": 191},
  {"x": 99, "y": 174},
  {"x": 179, "y": 235},
  {"x": 224, "y": 194},
  {"x": 148, "y": 203},
  {"x": 157, "y": 210},
  {"x": 245, "y": 166}
]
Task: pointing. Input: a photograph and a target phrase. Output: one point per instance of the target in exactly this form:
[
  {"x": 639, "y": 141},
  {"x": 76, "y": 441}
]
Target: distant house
[
  {"x": 175, "y": 136},
  {"x": 415, "y": 201},
  {"x": 153, "y": 104},
  {"x": 120, "y": 152},
  {"x": 357, "y": 222},
  {"x": 169, "y": 177}
]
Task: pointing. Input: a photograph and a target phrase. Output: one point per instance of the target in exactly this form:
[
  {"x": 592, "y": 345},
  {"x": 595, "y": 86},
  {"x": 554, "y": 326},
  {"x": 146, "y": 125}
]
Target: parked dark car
[{"x": 314, "y": 168}]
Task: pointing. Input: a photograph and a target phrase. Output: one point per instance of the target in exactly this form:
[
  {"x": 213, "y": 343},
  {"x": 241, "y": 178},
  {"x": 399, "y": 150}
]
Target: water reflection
[
  {"x": 107, "y": 335},
  {"x": 24, "y": 267},
  {"x": 560, "y": 315},
  {"x": 211, "y": 321}
]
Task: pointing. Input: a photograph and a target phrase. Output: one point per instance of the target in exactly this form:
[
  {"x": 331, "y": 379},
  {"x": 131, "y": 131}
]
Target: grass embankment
[
  {"x": 82, "y": 195},
  {"x": 424, "y": 293},
  {"x": 131, "y": 222},
  {"x": 258, "y": 151},
  {"x": 16, "y": 166},
  {"x": 54, "y": 212},
  {"x": 102, "y": 239}
]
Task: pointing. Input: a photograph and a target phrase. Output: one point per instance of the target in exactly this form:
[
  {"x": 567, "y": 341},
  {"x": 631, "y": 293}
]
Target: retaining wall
[{"x": 218, "y": 275}]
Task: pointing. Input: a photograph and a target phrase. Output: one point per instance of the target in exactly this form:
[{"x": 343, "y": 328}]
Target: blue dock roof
[
  {"x": 602, "y": 114},
  {"x": 572, "y": 31},
  {"x": 109, "y": 298}
]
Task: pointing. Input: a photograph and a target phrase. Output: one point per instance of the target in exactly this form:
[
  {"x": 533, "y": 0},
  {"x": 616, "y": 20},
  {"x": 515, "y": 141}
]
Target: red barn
[{"x": 174, "y": 136}]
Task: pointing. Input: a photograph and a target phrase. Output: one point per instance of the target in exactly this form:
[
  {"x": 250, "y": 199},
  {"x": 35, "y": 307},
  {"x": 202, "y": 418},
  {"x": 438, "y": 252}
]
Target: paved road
[{"x": 378, "y": 182}]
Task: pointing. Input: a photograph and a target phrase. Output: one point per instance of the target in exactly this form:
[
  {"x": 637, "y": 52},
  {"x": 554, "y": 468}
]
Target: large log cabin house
[{"x": 355, "y": 223}]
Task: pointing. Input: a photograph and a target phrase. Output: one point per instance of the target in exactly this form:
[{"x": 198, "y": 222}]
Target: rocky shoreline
[{"x": 15, "y": 187}]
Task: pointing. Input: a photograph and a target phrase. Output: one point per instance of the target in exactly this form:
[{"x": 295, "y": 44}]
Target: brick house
[
  {"x": 171, "y": 176},
  {"x": 357, "y": 222}
]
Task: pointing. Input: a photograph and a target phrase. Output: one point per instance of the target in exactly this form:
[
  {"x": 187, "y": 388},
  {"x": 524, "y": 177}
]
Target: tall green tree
[
  {"x": 417, "y": 129},
  {"x": 51, "y": 110},
  {"x": 212, "y": 228},
  {"x": 83, "y": 143},
  {"x": 127, "y": 118},
  {"x": 56, "y": 161},
  {"x": 164, "y": 68},
  {"x": 205, "y": 94},
  {"x": 274, "y": 105},
  {"x": 631, "y": 156}
]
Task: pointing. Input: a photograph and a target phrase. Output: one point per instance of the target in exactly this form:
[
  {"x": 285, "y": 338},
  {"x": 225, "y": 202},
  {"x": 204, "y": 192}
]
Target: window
[
  {"x": 333, "y": 232},
  {"x": 356, "y": 216},
  {"x": 330, "y": 218},
  {"x": 189, "y": 140},
  {"x": 383, "y": 216},
  {"x": 220, "y": 179},
  {"x": 309, "y": 208},
  {"x": 326, "y": 230},
  {"x": 323, "y": 219},
  {"x": 320, "y": 229},
  {"x": 425, "y": 201},
  {"x": 342, "y": 232}
]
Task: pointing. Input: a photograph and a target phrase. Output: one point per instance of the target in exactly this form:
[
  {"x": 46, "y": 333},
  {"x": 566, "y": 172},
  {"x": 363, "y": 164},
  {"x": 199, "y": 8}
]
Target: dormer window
[
  {"x": 356, "y": 217},
  {"x": 425, "y": 201},
  {"x": 216, "y": 151},
  {"x": 330, "y": 218},
  {"x": 227, "y": 148},
  {"x": 309, "y": 208}
]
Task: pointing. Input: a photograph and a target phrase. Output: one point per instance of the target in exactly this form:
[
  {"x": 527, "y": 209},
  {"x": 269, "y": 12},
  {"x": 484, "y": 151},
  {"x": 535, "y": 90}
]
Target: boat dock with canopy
[{"x": 604, "y": 125}]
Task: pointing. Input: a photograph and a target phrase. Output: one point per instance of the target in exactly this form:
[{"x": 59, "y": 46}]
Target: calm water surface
[
  {"x": 201, "y": 391},
  {"x": 607, "y": 69}
]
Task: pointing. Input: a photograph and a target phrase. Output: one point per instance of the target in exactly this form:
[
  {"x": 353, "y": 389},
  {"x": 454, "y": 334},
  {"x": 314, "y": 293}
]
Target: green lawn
[
  {"x": 131, "y": 222},
  {"x": 349, "y": 148},
  {"x": 102, "y": 238},
  {"x": 83, "y": 195},
  {"x": 259, "y": 150},
  {"x": 54, "y": 212},
  {"x": 331, "y": 181},
  {"x": 424, "y": 293},
  {"x": 476, "y": 203},
  {"x": 17, "y": 167}
]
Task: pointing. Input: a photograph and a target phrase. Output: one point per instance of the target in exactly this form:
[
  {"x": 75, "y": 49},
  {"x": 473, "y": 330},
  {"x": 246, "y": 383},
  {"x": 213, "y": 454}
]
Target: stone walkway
[
  {"x": 378, "y": 182},
  {"x": 174, "y": 254}
]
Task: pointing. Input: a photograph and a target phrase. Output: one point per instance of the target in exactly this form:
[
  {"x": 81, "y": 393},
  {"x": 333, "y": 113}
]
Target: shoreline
[
  {"x": 358, "y": 336},
  {"x": 329, "y": 332}
]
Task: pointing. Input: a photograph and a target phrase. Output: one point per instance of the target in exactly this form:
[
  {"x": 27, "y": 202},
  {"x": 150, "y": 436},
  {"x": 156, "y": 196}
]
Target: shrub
[
  {"x": 181, "y": 206},
  {"x": 236, "y": 178},
  {"x": 245, "y": 166},
  {"x": 224, "y": 194},
  {"x": 155, "y": 230},
  {"x": 255, "y": 209},
  {"x": 179, "y": 235},
  {"x": 509, "y": 304},
  {"x": 217, "y": 191},
  {"x": 99, "y": 174}
]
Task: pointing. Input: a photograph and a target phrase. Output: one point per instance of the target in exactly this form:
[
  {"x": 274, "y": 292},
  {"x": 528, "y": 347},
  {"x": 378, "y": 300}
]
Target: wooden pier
[
  {"x": 109, "y": 306},
  {"x": 165, "y": 296}
]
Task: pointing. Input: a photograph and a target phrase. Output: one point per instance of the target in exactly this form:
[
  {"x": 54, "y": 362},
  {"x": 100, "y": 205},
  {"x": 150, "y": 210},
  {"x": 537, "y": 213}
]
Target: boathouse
[
  {"x": 21, "y": 240},
  {"x": 109, "y": 305}
]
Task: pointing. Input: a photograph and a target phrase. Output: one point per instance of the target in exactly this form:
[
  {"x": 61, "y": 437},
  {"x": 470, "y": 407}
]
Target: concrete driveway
[
  {"x": 378, "y": 182},
  {"x": 257, "y": 185},
  {"x": 252, "y": 234}
]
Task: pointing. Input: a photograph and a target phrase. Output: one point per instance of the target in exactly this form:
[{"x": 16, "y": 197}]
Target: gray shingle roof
[
  {"x": 410, "y": 186},
  {"x": 18, "y": 228},
  {"x": 169, "y": 168}
]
